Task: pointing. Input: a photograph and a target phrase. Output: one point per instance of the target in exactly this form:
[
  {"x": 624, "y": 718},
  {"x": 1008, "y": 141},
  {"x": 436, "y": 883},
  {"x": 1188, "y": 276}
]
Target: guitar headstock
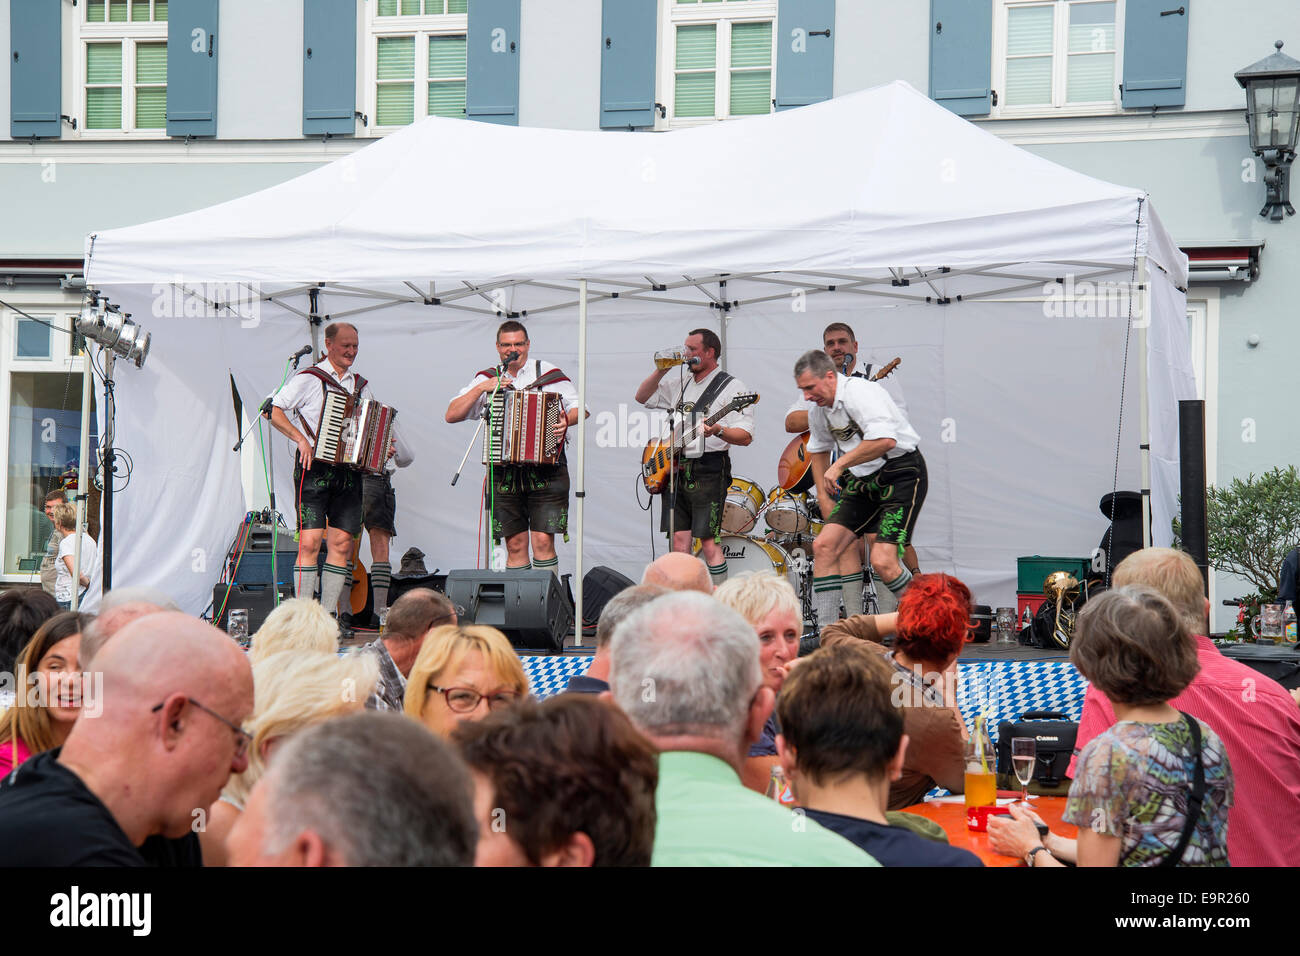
[{"x": 743, "y": 400}]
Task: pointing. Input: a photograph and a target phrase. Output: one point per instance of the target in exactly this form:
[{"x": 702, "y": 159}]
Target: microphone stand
[
  {"x": 275, "y": 518},
  {"x": 485, "y": 417}
]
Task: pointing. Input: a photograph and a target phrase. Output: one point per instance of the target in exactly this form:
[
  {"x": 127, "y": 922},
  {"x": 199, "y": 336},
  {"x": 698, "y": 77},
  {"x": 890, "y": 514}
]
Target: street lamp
[{"x": 1272, "y": 106}]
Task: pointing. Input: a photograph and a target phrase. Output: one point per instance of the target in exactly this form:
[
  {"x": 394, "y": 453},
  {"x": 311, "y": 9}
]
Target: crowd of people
[{"x": 142, "y": 736}]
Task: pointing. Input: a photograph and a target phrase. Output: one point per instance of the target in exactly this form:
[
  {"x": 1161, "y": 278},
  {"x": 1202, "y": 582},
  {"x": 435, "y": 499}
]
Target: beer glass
[
  {"x": 237, "y": 626},
  {"x": 667, "y": 358},
  {"x": 1268, "y": 623},
  {"x": 1006, "y": 617}
]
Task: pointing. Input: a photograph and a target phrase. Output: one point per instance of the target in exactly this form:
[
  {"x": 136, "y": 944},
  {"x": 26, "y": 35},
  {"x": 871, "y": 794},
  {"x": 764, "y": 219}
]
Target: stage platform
[{"x": 1000, "y": 681}]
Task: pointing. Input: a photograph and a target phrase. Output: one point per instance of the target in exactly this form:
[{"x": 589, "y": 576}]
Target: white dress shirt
[
  {"x": 862, "y": 411},
  {"x": 670, "y": 393}
]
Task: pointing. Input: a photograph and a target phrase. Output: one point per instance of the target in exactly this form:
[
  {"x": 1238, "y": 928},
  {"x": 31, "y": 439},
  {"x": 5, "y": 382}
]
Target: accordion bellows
[{"x": 521, "y": 428}]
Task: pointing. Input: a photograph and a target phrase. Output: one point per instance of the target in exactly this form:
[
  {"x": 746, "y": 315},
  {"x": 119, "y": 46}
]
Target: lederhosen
[
  {"x": 703, "y": 482},
  {"x": 886, "y": 502},
  {"x": 531, "y": 497},
  {"x": 328, "y": 493}
]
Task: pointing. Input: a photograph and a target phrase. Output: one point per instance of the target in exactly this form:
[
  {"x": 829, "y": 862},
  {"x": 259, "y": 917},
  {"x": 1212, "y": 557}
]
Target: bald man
[
  {"x": 678, "y": 571},
  {"x": 174, "y": 693}
]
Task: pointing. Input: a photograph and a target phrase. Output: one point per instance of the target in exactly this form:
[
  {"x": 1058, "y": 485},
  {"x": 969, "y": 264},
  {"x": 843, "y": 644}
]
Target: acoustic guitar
[
  {"x": 794, "y": 470},
  {"x": 659, "y": 457}
]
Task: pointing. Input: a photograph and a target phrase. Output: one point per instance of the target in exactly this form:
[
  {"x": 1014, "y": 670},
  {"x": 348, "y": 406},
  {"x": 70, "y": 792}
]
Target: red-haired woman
[{"x": 930, "y": 628}]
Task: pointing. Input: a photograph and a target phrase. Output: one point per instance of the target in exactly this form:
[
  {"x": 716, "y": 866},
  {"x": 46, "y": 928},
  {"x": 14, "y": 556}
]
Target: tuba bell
[{"x": 1062, "y": 589}]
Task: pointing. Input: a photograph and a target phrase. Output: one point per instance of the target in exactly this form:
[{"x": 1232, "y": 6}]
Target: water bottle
[{"x": 1288, "y": 624}]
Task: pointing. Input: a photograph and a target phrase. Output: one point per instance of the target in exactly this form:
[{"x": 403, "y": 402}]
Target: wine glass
[{"x": 1024, "y": 754}]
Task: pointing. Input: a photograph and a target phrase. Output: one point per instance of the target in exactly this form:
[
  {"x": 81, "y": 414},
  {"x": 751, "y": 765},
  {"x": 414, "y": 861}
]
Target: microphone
[
  {"x": 511, "y": 356},
  {"x": 848, "y": 360},
  {"x": 693, "y": 361},
  {"x": 299, "y": 354}
]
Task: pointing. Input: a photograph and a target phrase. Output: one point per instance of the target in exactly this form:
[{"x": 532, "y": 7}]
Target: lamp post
[{"x": 1272, "y": 106}]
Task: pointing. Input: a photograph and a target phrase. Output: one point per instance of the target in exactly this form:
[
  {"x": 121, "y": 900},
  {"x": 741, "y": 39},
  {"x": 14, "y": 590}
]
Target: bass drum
[
  {"x": 744, "y": 502},
  {"x": 746, "y": 553}
]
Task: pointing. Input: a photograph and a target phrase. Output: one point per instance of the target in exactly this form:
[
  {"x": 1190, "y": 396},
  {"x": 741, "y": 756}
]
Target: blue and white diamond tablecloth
[{"x": 1010, "y": 688}]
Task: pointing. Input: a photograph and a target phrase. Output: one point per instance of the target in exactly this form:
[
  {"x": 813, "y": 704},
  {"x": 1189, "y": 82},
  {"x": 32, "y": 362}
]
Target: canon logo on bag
[{"x": 1052, "y": 739}]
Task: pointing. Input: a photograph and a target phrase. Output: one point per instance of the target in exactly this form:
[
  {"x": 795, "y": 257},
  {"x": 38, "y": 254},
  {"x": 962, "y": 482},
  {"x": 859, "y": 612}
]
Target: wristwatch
[{"x": 1029, "y": 857}]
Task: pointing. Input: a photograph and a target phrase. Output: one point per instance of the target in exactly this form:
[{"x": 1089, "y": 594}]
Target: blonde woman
[
  {"x": 292, "y": 690},
  {"x": 772, "y": 609},
  {"x": 51, "y": 658},
  {"x": 462, "y": 673},
  {"x": 296, "y": 625}
]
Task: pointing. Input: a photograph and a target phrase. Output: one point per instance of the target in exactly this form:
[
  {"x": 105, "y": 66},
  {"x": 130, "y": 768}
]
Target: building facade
[{"x": 115, "y": 112}]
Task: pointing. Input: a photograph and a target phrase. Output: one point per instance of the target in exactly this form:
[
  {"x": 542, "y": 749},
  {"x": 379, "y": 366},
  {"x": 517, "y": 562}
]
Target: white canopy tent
[{"x": 1002, "y": 281}]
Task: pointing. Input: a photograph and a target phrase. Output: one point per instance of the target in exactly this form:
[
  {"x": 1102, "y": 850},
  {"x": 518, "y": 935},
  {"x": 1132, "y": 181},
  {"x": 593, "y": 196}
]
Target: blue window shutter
[
  {"x": 35, "y": 68},
  {"x": 492, "y": 62},
  {"x": 628, "y": 33},
  {"x": 1155, "y": 53},
  {"x": 329, "y": 67},
  {"x": 804, "y": 61},
  {"x": 961, "y": 55},
  {"x": 192, "y": 68}
]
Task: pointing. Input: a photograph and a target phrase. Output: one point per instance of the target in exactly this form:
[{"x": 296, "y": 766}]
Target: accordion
[
  {"x": 354, "y": 434},
  {"x": 520, "y": 428}
]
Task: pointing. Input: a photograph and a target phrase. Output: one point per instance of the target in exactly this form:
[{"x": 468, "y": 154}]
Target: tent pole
[
  {"x": 83, "y": 475},
  {"x": 1144, "y": 423},
  {"x": 582, "y": 451}
]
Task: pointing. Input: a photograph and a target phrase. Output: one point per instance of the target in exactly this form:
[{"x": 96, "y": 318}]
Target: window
[
  {"x": 718, "y": 59},
  {"x": 416, "y": 60},
  {"x": 1058, "y": 56},
  {"x": 122, "y": 63},
  {"x": 40, "y": 426}
]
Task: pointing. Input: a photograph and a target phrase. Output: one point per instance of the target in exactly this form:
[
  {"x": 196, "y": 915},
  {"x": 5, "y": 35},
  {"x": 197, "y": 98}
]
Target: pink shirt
[
  {"x": 1259, "y": 724},
  {"x": 7, "y": 762}
]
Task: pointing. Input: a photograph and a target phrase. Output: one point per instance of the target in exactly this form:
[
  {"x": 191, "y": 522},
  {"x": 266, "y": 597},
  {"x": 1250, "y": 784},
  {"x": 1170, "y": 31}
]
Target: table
[{"x": 952, "y": 817}]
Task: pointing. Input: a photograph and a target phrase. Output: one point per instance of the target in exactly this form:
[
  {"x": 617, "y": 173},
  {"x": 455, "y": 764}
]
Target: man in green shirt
[{"x": 685, "y": 669}]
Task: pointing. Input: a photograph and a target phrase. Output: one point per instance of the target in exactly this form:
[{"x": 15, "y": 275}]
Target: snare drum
[
  {"x": 745, "y": 553},
  {"x": 788, "y": 512},
  {"x": 740, "y": 511}
]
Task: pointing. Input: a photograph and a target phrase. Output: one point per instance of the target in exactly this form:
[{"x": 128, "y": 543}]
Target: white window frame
[
  {"x": 129, "y": 34},
  {"x": 421, "y": 27},
  {"x": 1203, "y": 322},
  {"x": 1059, "y": 64},
  {"x": 723, "y": 13},
  {"x": 59, "y": 308}
]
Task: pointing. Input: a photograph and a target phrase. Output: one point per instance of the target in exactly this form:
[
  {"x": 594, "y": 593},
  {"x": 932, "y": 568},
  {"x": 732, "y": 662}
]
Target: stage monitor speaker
[
  {"x": 527, "y": 606},
  {"x": 258, "y": 599},
  {"x": 598, "y": 586},
  {"x": 254, "y": 565}
]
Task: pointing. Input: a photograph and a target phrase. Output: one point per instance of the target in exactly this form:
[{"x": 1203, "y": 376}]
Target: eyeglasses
[
  {"x": 462, "y": 700},
  {"x": 456, "y": 611},
  {"x": 242, "y": 737}
]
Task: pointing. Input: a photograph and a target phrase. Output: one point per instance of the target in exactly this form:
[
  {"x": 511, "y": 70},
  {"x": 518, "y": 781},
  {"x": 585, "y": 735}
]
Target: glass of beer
[{"x": 667, "y": 358}]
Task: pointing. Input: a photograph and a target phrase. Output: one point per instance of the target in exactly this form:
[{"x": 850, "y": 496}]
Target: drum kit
[{"x": 793, "y": 520}]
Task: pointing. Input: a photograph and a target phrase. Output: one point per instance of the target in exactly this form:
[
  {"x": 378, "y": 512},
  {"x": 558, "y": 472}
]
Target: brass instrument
[{"x": 1061, "y": 587}]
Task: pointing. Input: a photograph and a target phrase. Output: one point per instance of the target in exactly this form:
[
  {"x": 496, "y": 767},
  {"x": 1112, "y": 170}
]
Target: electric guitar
[
  {"x": 793, "y": 471},
  {"x": 659, "y": 457}
]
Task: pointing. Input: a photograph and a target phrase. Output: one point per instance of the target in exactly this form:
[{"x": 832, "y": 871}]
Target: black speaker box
[
  {"x": 258, "y": 599},
  {"x": 598, "y": 586},
  {"x": 527, "y": 606},
  {"x": 435, "y": 582}
]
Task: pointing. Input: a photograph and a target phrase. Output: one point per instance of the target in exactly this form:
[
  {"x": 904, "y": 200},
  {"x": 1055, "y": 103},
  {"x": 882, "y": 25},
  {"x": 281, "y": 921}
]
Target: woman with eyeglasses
[
  {"x": 48, "y": 690},
  {"x": 462, "y": 674}
]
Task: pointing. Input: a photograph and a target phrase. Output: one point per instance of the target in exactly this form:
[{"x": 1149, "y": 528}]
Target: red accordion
[
  {"x": 355, "y": 434},
  {"x": 521, "y": 427}
]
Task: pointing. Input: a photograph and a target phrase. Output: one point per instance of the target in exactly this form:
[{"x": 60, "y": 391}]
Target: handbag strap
[{"x": 1195, "y": 799}]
